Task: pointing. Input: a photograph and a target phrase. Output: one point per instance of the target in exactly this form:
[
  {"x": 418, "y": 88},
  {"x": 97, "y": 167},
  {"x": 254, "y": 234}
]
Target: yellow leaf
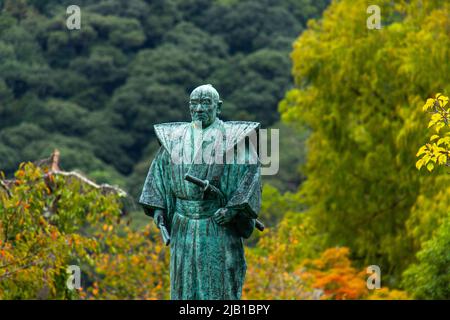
[
  {"x": 442, "y": 159},
  {"x": 444, "y": 101},
  {"x": 440, "y": 141},
  {"x": 430, "y": 166},
  {"x": 428, "y": 104},
  {"x": 439, "y": 126},
  {"x": 419, "y": 164},
  {"x": 422, "y": 150},
  {"x": 434, "y": 137},
  {"x": 436, "y": 117}
]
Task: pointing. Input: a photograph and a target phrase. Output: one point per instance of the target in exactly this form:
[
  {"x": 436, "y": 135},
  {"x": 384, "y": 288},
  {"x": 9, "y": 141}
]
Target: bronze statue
[{"x": 203, "y": 190}]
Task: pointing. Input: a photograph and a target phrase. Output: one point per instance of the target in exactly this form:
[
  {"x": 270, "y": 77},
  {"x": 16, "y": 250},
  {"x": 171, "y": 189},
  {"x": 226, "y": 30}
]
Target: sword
[{"x": 207, "y": 187}]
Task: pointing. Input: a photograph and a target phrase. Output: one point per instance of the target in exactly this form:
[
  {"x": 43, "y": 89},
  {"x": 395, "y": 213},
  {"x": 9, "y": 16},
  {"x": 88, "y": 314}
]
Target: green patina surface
[{"x": 206, "y": 231}]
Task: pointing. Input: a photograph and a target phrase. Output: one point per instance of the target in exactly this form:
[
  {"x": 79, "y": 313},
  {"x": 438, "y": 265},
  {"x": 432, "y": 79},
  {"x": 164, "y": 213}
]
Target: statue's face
[{"x": 203, "y": 107}]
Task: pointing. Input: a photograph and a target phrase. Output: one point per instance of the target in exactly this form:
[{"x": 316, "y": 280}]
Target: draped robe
[{"x": 206, "y": 259}]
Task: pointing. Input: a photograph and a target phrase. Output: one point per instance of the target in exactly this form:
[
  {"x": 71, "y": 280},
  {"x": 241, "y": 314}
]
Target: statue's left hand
[{"x": 224, "y": 215}]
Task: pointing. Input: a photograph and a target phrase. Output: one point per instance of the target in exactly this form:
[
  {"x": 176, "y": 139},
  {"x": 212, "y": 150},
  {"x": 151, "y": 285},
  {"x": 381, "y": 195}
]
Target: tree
[
  {"x": 51, "y": 219},
  {"x": 248, "y": 25},
  {"x": 357, "y": 90},
  {"x": 289, "y": 263},
  {"x": 429, "y": 278},
  {"x": 132, "y": 64}
]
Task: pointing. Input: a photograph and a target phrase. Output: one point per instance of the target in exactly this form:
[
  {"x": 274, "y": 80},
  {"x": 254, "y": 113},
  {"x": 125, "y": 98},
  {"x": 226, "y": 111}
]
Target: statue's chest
[{"x": 197, "y": 155}]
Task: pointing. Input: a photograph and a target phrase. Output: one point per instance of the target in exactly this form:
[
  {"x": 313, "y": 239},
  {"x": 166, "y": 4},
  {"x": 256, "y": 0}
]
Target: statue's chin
[{"x": 201, "y": 123}]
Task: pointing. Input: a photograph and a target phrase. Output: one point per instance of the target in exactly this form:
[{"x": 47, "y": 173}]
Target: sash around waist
[{"x": 196, "y": 209}]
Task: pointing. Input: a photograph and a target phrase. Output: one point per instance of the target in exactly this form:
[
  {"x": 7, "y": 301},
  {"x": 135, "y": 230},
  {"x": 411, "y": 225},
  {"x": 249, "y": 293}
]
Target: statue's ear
[{"x": 219, "y": 106}]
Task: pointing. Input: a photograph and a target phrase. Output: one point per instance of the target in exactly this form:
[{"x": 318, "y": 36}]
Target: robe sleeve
[
  {"x": 247, "y": 197},
  {"x": 155, "y": 190}
]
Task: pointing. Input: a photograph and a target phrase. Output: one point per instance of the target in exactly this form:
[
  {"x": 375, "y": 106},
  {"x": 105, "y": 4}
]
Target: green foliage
[
  {"x": 48, "y": 222},
  {"x": 253, "y": 80},
  {"x": 430, "y": 277},
  {"x": 289, "y": 263},
  {"x": 360, "y": 93},
  {"x": 248, "y": 25},
  {"x": 38, "y": 220},
  {"x": 292, "y": 157},
  {"x": 133, "y": 64}
]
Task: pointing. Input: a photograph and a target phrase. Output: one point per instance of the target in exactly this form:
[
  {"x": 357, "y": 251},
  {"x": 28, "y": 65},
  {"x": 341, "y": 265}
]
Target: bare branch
[
  {"x": 104, "y": 186},
  {"x": 5, "y": 187},
  {"x": 52, "y": 163}
]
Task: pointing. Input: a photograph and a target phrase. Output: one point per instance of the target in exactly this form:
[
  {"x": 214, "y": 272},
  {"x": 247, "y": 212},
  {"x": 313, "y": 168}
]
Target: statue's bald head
[
  {"x": 205, "y": 104},
  {"x": 206, "y": 90}
]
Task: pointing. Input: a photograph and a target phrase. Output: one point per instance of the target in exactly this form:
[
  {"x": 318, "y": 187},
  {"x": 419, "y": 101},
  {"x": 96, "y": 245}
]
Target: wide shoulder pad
[
  {"x": 169, "y": 132},
  {"x": 238, "y": 130}
]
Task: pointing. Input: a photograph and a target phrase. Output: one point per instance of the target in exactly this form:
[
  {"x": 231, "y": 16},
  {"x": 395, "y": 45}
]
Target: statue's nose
[{"x": 198, "y": 108}]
